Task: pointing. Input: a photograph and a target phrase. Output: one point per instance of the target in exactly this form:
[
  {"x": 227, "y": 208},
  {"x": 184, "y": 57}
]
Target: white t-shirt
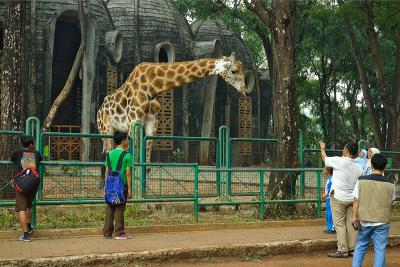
[
  {"x": 367, "y": 223},
  {"x": 345, "y": 174}
]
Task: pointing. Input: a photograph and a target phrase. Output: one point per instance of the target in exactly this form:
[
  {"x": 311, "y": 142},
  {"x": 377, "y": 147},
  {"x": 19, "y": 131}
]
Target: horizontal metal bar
[
  {"x": 254, "y": 140},
  {"x": 318, "y": 150},
  {"x": 6, "y": 132},
  {"x": 261, "y": 169},
  {"x": 172, "y": 164},
  {"x": 72, "y": 163},
  {"x": 193, "y": 138},
  {"x": 227, "y": 203},
  {"x": 6, "y": 162},
  {"x": 76, "y": 134},
  {"x": 93, "y": 201}
]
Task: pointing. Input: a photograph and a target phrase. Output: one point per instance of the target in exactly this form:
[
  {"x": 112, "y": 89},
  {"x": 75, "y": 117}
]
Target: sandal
[{"x": 338, "y": 254}]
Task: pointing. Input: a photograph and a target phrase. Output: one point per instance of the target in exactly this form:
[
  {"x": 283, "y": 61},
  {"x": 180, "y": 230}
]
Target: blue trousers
[
  {"x": 329, "y": 220},
  {"x": 379, "y": 235}
]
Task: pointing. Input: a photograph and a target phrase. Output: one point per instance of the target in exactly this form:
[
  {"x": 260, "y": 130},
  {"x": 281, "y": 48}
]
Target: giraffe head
[{"x": 231, "y": 71}]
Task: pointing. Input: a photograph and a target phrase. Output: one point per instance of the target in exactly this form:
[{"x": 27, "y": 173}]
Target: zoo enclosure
[{"x": 81, "y": 182}]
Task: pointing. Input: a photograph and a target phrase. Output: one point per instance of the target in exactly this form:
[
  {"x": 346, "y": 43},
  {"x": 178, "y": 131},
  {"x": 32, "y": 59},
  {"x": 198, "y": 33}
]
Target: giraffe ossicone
[{"x": 136, "y": 99}]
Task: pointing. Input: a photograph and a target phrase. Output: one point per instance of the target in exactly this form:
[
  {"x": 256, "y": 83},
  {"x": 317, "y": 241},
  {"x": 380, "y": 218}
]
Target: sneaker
[
  {"x": 123, "y": 237},
  {"x": 338, "y": 254},
  {"x": 25, "y": 238},
  {"x": 31, "y": 230},
  {"x": 351, "y": 253}
]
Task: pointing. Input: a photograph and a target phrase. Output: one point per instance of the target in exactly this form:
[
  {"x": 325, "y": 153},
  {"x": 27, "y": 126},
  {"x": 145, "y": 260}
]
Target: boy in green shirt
[{"x": 117, "y": 211}]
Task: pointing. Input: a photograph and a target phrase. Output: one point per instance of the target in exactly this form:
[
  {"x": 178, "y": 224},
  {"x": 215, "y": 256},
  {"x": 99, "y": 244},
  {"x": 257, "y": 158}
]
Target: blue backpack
[{"x": 114, "y": 189}]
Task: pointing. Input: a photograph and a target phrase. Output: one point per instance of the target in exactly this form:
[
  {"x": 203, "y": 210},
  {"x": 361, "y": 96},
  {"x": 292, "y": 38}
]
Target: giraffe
[{"x": 136, "y": 99}]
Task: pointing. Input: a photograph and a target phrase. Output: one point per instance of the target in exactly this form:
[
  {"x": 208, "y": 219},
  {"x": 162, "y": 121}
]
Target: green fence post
[
  {"x": 223, "y": 135},
  {"x": 319, "y": 212},
  {"x": 32, "y": 127},
  {"x": 196, "y": 193},
  {"x": 137, "y": 130},
  {"x": 301, "y": 158},
  {"x": 262, "y": 195}
]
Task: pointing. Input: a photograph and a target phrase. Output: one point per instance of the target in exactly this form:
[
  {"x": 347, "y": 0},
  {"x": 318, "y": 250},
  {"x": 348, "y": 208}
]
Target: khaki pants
[{"x": 342, "y": 213}]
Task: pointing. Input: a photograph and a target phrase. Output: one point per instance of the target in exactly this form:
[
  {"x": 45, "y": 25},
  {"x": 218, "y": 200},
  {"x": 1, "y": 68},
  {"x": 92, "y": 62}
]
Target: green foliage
[
  {"x": 177, "y": 155},
  {"x": 238, "y": 18}
]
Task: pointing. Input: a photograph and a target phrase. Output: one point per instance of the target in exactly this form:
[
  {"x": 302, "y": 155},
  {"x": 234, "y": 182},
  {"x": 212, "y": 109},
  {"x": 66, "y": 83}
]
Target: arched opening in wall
[
  {"x": 165, "y": 52},
  {"x": 67, "y": 38}
]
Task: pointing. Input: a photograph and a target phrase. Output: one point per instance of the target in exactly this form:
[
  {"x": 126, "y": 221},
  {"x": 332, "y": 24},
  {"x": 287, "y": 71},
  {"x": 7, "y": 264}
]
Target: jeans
[{"x": 379, "y": 235}]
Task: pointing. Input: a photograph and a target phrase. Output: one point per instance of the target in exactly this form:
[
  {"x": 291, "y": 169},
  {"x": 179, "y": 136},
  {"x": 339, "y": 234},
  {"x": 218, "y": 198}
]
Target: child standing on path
[
  {"x": 116, "y": 212},
  {"x": 24, "y": 158},
  {"x": 330, "y": 229}
]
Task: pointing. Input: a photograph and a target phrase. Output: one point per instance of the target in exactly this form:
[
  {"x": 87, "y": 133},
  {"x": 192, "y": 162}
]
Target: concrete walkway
[{"x": 11, "y": 250}]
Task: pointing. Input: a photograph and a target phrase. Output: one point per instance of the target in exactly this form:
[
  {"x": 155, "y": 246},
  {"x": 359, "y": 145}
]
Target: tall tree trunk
[
  {"x": 281, "y": 20},
  {"x": 384, "y": 95},
  {"x": 352, "y": 93},
  {"x": 11, "y": 90},
  {"x": 355, "y": 48}
]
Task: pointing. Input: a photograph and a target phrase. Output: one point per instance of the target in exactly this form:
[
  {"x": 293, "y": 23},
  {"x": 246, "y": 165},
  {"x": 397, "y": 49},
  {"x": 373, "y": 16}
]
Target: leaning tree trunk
[{"x": 11, "y": 112}]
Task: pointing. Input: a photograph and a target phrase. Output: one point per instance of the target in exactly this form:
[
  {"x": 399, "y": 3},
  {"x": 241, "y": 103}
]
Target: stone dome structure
[{"x": 153, "y": 30}]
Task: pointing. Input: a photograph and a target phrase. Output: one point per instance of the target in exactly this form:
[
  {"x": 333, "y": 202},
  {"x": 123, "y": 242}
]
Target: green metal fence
[{"x": 82, "y": 182}]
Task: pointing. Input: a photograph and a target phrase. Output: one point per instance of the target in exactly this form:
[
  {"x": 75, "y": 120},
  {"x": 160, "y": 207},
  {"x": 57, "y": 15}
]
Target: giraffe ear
[{"x": 233, "y": 55}]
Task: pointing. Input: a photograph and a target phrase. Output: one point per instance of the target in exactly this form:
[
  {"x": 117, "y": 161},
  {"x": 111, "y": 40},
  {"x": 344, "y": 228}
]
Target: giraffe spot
[
  {"x": 189, "y": 66},
  {"x": 151, "y": 73},
  {"x": 175, "y": 66},
  {"x": 139, "y": 114},
  {"x": 164, "y": 67},
  {"x": 143, "y": 78},
  {"x": 199, "y": 73},
  {"x": 129, "y": 93},
  {"x": 158, "y": 83},
  {"x": 132, "y": 115},
  {"x": 145, "y": 106},
  {"x": 120, "y": 110},
  {"x": 170, "y": 84},
  {"x": 136, "y": 74},
  {"x": 193, "y": 76},
  {"x": 187, "y": 72},
  {"x": 203, "y": 64},
  {"x": 142, "y": 96},
  {"x": 181, "y": 69},
  {"x": 211, "y": 65},
  {"x": 160, "y": 72},
  {"x": 194, "y": 68},
  {"x": 170, "y": 74},
  {"x": 136, "y": 102},
  {"x": 124, "y": 102},
  {"x": 135, "y": 84}
]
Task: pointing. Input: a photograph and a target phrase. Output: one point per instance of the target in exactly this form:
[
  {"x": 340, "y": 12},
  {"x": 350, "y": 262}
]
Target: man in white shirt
[
  {"x": 373, "y": 198},
  {"x": 346, "y": 171}
]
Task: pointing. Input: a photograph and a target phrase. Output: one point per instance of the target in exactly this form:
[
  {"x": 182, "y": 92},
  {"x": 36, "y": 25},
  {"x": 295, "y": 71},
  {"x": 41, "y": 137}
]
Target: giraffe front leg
[{"x": 151, "y": 130}]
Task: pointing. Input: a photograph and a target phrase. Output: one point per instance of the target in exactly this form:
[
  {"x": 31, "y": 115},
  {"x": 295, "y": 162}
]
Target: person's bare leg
[
  {"x": 22, "y": 219},
  {"x": 29, "y": 216}
]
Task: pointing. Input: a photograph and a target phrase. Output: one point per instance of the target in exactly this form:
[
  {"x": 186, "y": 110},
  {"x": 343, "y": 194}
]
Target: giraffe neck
[{"x": 175, "y": 75}]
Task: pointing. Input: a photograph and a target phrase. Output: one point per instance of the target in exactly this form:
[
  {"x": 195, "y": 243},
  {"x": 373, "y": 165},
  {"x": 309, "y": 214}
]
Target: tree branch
[{"x": 257, "y": 7}]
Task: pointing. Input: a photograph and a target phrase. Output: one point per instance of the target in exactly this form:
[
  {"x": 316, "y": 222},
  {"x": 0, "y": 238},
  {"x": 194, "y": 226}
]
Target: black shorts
[{"x": 24, "y": 202}]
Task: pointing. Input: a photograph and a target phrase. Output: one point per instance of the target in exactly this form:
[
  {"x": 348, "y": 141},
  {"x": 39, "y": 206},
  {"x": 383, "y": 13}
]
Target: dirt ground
[{"x": 313, "y": 260}]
